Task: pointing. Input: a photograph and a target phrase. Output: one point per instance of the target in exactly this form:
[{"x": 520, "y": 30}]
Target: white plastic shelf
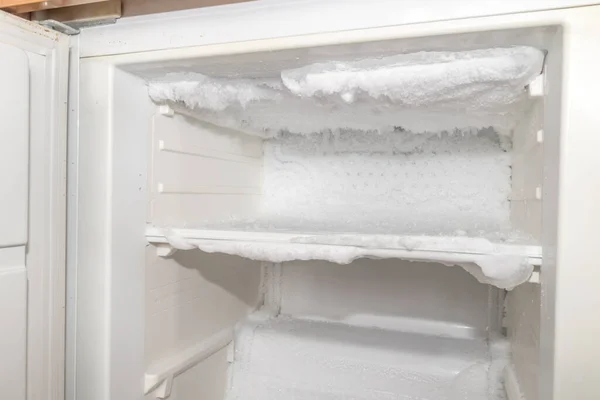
[
  {"x": 500, "y": 264},
  {"x": 159, "y": 376}
]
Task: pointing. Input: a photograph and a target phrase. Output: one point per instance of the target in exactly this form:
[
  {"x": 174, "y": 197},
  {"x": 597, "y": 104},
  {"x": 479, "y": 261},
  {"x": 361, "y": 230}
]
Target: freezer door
[
  {"x": 29, "y": 128},
  {"x": 14, "y": 164}
]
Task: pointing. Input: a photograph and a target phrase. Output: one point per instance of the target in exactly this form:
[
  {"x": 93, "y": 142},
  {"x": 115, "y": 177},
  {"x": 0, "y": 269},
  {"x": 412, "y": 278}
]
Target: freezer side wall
[
  {"x": 523, "y": 320},
  {"x": 206, "y": 380},
  {"x": 201, "y": 173},
  {"x": 111, "y": 191},
  {"x": 527, "y": 172},
  {"x": 133, "y": 307},
  {"x": 189, "y": 298}
]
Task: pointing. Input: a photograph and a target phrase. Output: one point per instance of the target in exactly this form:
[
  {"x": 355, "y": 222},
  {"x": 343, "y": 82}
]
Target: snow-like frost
[
  {"x": 500, "y": 270},
  {"x": 398, "y": 182},
  {"x": 478, "y": 78},
  {"x": 285, "y": 358},
  {"x": 202, "y": 92},
  {"x": 425, "y": 91}
]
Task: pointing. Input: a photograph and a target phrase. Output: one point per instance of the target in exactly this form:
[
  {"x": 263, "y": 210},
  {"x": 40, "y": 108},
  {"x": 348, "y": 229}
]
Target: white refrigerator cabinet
[
  {"x": 34, "y": 65},
  {"x": 293, "y": 200}
]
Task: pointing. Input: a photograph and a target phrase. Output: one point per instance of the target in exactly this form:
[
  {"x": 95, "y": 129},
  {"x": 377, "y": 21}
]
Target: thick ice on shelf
[
  {"x": 284, "y": 358},
  {"x": 477, "y": 78},
  {"x": 424, "y": 91},
  {"x": 502, "y": 265}
]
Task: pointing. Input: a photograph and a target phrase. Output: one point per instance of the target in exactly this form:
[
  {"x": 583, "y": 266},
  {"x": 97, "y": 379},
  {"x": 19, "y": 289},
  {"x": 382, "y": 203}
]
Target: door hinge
[{"x": 59, "y": 27}]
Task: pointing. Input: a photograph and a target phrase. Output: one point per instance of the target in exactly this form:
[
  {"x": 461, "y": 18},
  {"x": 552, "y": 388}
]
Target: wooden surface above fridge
[
  {"x": 24, "y": 6},
  {"x": 141, "y": 7},
  {"x": 126, "y": 7}
]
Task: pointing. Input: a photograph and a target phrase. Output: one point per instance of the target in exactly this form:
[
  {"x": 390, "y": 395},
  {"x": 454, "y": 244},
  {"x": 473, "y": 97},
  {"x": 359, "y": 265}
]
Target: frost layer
[
  {"x": 397, "y": 182},
  {"x": 286, "y": 358},
  {"x": 490, "y": 266},
  {"x": 478, "y": 78},
  {"x": 425, "y": 91}
]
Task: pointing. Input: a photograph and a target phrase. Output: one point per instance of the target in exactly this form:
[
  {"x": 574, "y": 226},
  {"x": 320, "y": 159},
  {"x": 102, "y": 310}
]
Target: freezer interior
[{"x": 357, "y": 220}]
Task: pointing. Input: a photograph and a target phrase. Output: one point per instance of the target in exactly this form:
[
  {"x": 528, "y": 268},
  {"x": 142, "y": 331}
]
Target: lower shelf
[
  {"x": 159, "y": 376},
  {"x": 511, "y": 384},
  {"x": 285, "y": 358},
  {"x": 500, "y": 264}
]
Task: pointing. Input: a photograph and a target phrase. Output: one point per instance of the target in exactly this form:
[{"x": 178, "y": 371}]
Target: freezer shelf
[
  {"x": 505, "y": 265},
  {"x": 287, "y": 358}
]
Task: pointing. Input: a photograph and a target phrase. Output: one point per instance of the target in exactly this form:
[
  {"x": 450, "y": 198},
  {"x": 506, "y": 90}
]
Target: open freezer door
[
  {"x": 30, "y": 59},
  {"x": 14, "y": 164}
]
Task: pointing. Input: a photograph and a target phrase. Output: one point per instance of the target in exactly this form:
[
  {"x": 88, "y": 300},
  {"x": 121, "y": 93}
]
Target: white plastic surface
[
  {"x": 527, "y": 173},
  {"x": 13, "y": 320},
  {"x": 192, "y": 302},
  {"x": 14, "y": 148},
  {"x": 228, "y": 177},
  {"x": 33, "y": 104},
  {"x": 536, "y": 88},
  {"x": 523, "y": 317},
  {"x": 208, "y": 378},
  {"x": 574, "y": 273},
  {"x": 511, "y": 384},
  {"x": 14, "y": 203},
  {"x": 413, "y": 297},
  {"x": 159, "y": 376},
  {"x": 254, "y": 21}
]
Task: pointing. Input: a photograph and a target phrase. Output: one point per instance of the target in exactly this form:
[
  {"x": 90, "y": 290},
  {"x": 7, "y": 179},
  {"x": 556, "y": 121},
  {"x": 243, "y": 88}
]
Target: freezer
[{"x": 380, "y": 206}]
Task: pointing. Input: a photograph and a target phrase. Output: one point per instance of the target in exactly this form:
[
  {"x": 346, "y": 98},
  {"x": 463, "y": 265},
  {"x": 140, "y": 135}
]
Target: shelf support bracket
[
  {"x": 164, "y": 390},
  {"x": 535, "y": 277},
  {"x": 537, "y": 87},
  {"x": 164, "y": 250}
]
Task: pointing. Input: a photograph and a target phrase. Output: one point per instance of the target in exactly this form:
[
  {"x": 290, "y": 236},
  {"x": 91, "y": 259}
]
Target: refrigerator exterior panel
[
  {"x": 34, "y": 66},
  {"x": 268, "y": 19}
]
